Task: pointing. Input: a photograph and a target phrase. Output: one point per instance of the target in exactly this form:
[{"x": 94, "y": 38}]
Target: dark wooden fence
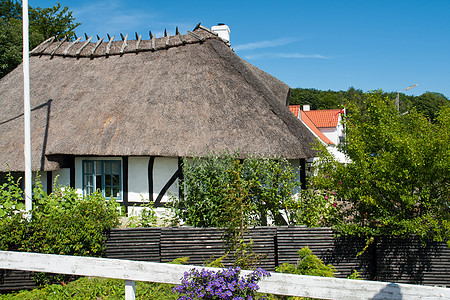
[{"x": 391, "y": 260}]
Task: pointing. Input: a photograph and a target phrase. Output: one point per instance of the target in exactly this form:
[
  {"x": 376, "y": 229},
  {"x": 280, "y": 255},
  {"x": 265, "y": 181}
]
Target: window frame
[{"x": 102, "y": 175}]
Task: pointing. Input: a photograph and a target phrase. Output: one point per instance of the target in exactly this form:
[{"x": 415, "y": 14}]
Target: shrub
[
  {"x": 145, "y": 218},
  {"x": 315, "y": 208},
  {"x": 211, "y": 183},
  {"x": 228, "y": 192},
  {"x": 307, "y": 264},
  {"x": 66, "y": 223},
  {"x": 13, "y": 226},
  {"x": 62, "y": 222}
]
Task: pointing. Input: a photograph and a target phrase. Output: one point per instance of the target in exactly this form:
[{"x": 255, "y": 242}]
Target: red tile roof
[
  {"x": 324, "y": 118},
  {"x": 295, "y": 109},
  {"x": 307, "y": 121}
]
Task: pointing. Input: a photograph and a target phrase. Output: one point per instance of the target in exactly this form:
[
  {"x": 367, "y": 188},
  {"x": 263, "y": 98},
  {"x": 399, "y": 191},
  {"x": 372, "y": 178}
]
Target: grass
[
  {"x": 95, "y": 288},
  {"x": 103, "y": 289}
]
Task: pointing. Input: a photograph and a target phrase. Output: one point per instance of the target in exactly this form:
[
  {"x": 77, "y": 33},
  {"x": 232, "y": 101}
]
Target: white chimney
[
  {"x": 223, "y": 31},
  {"x": 306, "y": 107}
]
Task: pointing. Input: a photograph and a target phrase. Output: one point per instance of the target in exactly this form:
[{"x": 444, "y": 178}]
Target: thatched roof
[{"x": 174, "y": 96}]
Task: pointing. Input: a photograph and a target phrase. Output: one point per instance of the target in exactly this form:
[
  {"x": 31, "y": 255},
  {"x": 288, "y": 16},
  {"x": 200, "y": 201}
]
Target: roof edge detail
[{"x": 87, "y": 49}]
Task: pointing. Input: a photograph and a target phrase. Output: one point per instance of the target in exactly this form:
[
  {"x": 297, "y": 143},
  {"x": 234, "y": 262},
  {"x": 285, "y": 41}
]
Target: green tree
[
  {"x": 53, "y": 21},
  {"x": 10, "y": 9},
  {"x": 398, "y": 181},
  {"x": 44, "y": 23},
  {"x": 322, "y": 99},
  {"x": 430, "y": 103}
]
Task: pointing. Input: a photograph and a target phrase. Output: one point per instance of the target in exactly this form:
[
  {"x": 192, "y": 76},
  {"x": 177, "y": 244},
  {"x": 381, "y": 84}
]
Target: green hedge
[{"x": 62, "y": 222}]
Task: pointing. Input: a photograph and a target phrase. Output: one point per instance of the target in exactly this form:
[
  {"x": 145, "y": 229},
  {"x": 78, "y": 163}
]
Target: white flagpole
[{"x": 26, "y": 108}]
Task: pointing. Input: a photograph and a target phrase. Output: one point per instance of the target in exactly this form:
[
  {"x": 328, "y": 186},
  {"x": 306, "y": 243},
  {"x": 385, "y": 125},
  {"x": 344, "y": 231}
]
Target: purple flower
[{"x": 223, "y": 284}]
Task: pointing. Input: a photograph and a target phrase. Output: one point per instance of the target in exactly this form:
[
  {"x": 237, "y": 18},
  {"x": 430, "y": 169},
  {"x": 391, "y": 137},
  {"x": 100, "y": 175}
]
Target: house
[
  {"x": 326, "y": 125},
  {"x": 119, "y": 115}
]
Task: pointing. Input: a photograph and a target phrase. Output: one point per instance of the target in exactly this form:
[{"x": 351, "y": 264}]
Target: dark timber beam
[{"x": 125, "y": 183}]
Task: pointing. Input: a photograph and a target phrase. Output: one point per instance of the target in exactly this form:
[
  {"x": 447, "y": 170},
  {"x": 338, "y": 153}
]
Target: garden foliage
[
  {"x": 398, "y": 182},
  {"x": 145, "y": 218},
  {"x": 62, "y": 222},
  {"x": 231, "y": 193},
  {"x": 307, "y": 264},
  {"x": 212, "y": 184},
  {"x": 315, "y": 208}
]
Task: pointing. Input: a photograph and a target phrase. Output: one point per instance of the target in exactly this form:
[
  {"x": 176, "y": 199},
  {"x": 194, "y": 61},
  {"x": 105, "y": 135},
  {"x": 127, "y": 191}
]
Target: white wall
[
  {"x": 338, "y": 155},
  {"x": 333, "y": 133},
  {"x": 63, "y": 176},
  {"x": 138, "y": 179},
  {"x": 138, "y": 189},
  {"x": 163, "y": 169},
  {"x": 63, "y": 179}
]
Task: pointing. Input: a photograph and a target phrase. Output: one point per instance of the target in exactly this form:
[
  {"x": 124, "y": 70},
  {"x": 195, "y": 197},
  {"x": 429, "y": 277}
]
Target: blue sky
[{"x": 322, "y": 44}]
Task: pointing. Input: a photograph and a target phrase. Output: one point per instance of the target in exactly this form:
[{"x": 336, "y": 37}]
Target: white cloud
[
  {"x": 285, "y": 55},
  {"x": 264, "y": 44}
]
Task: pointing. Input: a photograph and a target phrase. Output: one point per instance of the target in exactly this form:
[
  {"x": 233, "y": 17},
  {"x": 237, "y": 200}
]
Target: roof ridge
[
  {"x": 324, "y": 117},
  {"x": 54, "y": 47}
]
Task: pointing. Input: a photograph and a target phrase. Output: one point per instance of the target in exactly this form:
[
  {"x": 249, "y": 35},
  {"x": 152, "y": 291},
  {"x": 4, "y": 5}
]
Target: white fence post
[{"x": 130, "y": 290}]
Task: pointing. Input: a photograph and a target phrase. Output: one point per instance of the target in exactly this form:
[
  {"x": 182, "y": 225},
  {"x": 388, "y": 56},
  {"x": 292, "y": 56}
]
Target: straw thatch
[{"x": 174, "y": 96}]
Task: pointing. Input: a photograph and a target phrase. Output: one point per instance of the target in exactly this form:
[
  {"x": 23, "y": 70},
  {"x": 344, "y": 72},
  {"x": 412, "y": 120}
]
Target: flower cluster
[{"x": 223, "y": 284}]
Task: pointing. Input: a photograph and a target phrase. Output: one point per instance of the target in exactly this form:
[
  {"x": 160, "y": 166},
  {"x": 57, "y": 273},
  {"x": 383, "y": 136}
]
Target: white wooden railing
[{"x": 280, "y": 284}]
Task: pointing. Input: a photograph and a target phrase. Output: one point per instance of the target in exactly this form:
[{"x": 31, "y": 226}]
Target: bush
[
  {"x": 210, "y": 184},
  {"x": 315, "y": 208},
  {"x": 62, "y": 222},
  {"x": 231, "y": 193},
  {"x": 145, "y": 218},
  {"x": 307, "y": 264},
  {"x": 13, "y": 225}
]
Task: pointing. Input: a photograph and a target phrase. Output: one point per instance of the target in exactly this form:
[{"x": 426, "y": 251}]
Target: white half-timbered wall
[{"x": 143, "y": 179}]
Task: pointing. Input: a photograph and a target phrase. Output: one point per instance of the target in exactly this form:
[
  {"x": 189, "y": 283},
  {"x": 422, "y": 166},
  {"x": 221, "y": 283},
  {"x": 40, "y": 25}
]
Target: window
[{"x": 103, "y": 175}]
